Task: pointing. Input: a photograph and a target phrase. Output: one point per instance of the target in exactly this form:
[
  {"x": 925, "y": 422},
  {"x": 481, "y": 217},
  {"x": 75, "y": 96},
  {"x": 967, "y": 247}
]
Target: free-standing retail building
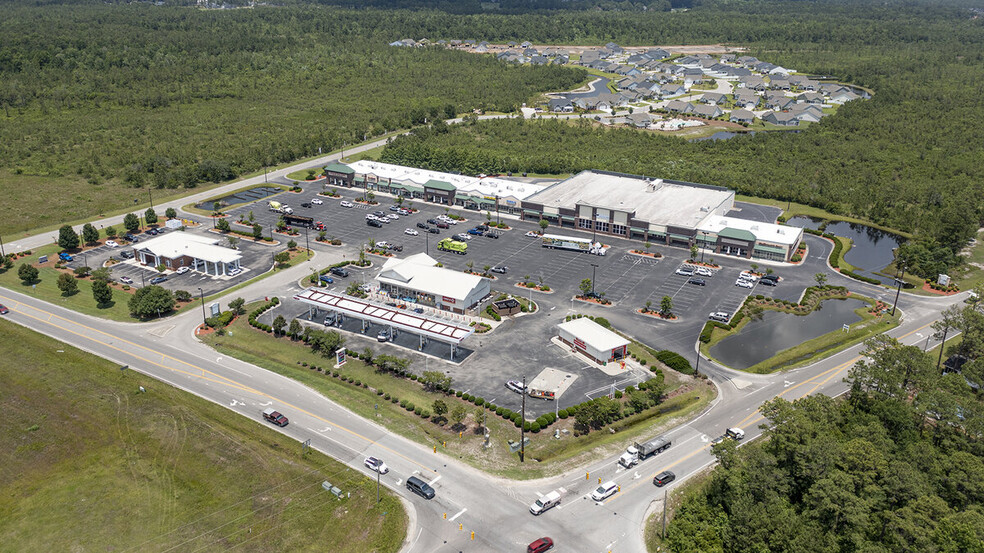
[
  {"x": 659, "y": 211},
  {"x": 593, "y": 340},
  {"x": 418, "y": 280},
  {"x": 181, "y": 249}
]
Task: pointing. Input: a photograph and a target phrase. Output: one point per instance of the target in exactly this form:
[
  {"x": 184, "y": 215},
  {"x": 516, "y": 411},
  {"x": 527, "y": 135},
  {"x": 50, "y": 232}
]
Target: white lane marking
[
  {"x": 434, "y": 481},
  {"x": 461, "y": 512},
  {"x": 235, "y": 403}
]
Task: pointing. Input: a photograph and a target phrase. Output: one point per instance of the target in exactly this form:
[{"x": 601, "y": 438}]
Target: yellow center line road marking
[
  {"x": 756, "y": 416},
  {"x": 217, "y": 378}
]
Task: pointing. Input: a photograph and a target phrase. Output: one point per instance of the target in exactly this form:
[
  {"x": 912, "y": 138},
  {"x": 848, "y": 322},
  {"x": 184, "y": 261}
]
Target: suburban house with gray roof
[{"x": 741, "y": 116}]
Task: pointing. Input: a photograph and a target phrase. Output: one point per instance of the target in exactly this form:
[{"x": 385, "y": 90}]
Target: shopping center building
[
  {"x": 417, "y": 279},
  {"x": 659, "y": 211}
]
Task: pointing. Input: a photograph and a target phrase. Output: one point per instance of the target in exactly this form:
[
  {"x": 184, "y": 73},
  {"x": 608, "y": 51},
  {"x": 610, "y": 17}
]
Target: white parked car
[
  {"x": 112, "y": 244},
  {"x": 234, "y": 272},
  {"x": 604, "y": 491},
  {"x": 393, "y": 216},
  {"x": 516, "y": 386},
  {"x": 411, "y": 232},
  {"x": 376, "y": 465},
  {"x": 686, "y": 271},
  {"x": 745, "y": 283},
  {"x": 531, "y": 234},
  {"x": 317, "y": 201},
  {"x": 126, "y": 280},
  {"x": 704, "y": 271},
  {"x": 182, "y": 270},
  {"x": 748, "y": 276},
  {"x": 346, "y": 203}
]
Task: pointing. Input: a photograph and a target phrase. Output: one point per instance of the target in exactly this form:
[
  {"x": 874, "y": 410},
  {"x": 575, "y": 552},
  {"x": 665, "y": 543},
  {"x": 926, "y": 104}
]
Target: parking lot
[{"x": 522, "y": 346}]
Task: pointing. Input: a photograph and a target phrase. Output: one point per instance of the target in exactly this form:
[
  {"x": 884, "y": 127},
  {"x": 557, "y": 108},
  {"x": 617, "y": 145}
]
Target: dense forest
[
  {"x": 895, "y": 467},
  {"x": 169, "y": 96}
]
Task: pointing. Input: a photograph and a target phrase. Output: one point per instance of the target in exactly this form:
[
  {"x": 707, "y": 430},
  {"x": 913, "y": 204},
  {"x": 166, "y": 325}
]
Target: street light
[
  {"x": 593, "y": 267},
  {"x": 703, "y": 243},
  {"x": 522, "y": 426},
  {"x": 307, "y": 244},
  {"x": 201, "y": 294}
]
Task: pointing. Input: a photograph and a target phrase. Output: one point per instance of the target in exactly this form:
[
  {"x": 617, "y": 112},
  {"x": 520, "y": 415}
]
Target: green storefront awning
[
  {"x": 359, "y": 179},
  {"x": 679, "y": 237},
  {"x": 412, "y": 187},
  {"x": 736, "y": 234},
  {"x": 440, "y": 185},
  {"x": 567, "y": 218},
  {"x": 531, "y": 212},
  {"x": 636, "y": 229},
  {"x": 467, "y": 198},
  {"x": 770, "y": 249},
  {"x": 339, "y": 168}
]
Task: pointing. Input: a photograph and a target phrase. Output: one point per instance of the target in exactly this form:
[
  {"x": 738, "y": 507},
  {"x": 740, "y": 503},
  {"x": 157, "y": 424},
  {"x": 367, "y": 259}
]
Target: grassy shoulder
[
  {"x": 684, "y": 397},
  {"x": 92, "y": 464},
  {"x": 873, "y": 321}
]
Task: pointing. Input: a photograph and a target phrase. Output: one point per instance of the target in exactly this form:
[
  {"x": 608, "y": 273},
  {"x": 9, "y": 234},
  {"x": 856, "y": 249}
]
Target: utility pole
[
  {"x": 593, "y": 267},
  {"x": 201, "y": 293},
  {"x": 663, "y": 534},
  {"x": 522, "y": 426},
  {"x": 150, "y": 191},
  {"x": 942, "y": 345},
  {"x": 307, "y": 244},
  {"x": 898, "y": 281},
  {"x": 496, "y": 210}
]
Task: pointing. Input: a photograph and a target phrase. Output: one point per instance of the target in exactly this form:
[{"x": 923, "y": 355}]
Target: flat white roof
[
  {"x": 655, "y": 201},
  {"x": 480, "y": 186},
  {"x": 418, "y": 272},
  {"x": 400, "y": 319},
  {"x": 177, "y": 244},
  {"x": 764, "y": 232},
  {"x": 593, "y": 334}
]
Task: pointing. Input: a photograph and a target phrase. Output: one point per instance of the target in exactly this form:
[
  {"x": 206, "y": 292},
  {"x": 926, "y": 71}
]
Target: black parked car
[
  {"x": 339, "y": 271},
  {"x": 773, "y": 278},
  {"x": 768, "y": 282},
  {"x": 126, "y": 254},
  {"x": 306, "y": 204},
  {"x": 423, "y": 226},
  {"x": 433, "y": 230},
  {"x": 373, "y": 223},
  {"x": 432, "y": 221},
  {"x": 697, "y": 281},
  {"x": 491, "y": 234}
]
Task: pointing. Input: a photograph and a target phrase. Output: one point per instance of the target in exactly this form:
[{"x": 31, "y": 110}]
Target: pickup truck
[
  {"x": 275, "y": 417},
  {"x": 552, "y": 499}
]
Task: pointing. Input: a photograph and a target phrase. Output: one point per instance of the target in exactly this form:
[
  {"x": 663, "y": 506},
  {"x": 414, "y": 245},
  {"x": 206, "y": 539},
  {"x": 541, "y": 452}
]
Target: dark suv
[
  {"x": 663, "y": 478},
  {"x": 340, "y": 271}
]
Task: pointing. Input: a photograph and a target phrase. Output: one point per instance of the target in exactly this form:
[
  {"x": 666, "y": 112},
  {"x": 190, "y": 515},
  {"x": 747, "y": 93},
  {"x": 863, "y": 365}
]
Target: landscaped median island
[
  {"x": 93, "y": 463},
  {"x": 845, "y": 325},
  {"x": 425, "y": 407}
]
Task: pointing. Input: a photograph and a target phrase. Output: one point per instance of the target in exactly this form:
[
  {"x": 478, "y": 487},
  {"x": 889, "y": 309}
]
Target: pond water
[
  {"x": 721, "y": 135},
  {"x": 873, "y": 249},
  {"x": 761, "y": 339},
  {"x": 241, "y": 197}
]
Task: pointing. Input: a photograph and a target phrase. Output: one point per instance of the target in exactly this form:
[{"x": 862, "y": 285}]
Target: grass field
[
  {"x": 90, "y": 464},
  {"x": 285, "y": 357}
]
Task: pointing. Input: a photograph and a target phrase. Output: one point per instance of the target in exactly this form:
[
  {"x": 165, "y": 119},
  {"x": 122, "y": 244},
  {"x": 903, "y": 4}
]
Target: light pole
[
  {"x": 522, "y": 426},
  {"x": 201, "y": 294},
  {"x": 703, "y": 243},
  {"x": 593, "y": 267},
  {"x": 307, "y": 244},
  {"x": 151, "y": 193},
  {"x": 898, "y": 291},
  {"x": 496, "y": 210},
  {"x": 942, "y": 345}
]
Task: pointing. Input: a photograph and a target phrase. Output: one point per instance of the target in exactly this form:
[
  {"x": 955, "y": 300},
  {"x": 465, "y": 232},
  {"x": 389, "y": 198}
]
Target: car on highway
[
  {"x": 697, "y": 282},
  {"x": 65, "y": 257},
  {"x": 275, "y": 417},
  {"x": 720, "y": 316},
  {"x": 3, "y": 309},
  {"x": 317, "y": 201},
  {"x": 769, "y": 282},
  {"x": 663, "y": 478},
  {"x": 182, "y": 270},
  {"x": 306, "y": 205},
  {"x": 339, "y": 271},
  {"x": 735, "y": 433},
  {"x": 158, "y": 280},
  {"x": 126, "y": 280},
  {"x": 685, "y": 271},
  {"x": 704, "y": 271},
  {"x": 419, "y": 487},
  {"x": 745, "y": 283},
  {"x": 540, "y": 545},
  {"x": 376, "y": 465},
  {"x": 604, "y": 491},
  {"x": 346, "y": 203},
  {"x": 411, "y": 232},
  {"x": 501, "y": 269},
  {"x": 516, "y": 386}
]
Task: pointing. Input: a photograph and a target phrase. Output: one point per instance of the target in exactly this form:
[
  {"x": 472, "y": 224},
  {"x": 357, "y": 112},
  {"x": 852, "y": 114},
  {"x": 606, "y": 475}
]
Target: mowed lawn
[{"x": 87, "y": 463}]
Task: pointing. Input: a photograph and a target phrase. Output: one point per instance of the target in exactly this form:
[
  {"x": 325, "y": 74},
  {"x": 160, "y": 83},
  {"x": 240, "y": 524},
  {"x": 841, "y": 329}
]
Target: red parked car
[{"x": 540, "y": 545}]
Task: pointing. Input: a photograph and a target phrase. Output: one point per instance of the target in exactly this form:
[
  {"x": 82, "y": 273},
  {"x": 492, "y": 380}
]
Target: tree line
[{"x": 896, "y": 466}]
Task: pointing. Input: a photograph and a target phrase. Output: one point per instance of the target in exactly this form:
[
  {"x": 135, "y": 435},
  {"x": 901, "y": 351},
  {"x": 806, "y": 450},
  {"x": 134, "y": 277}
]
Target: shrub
[
  {"x": 424, "y": 414},
  {"x": 499, "y": 411},
  {"x": 479, "y": 402},
  {"x": 516, "y": 418},
  {"x": 618, "y": 394},
  {"x": 386, "y": 396},
  {"x": 418, "y": 410},
  {"x": 358, "y": 383},
  {"x": 334, "y": 373},
  {"x": 527, "y": 425},
  {"x": 413, "y": 377},
  {"x": 394, "y": 399},
  {"x": 403, "y": 403},
  {"x": 466, "y": 397},
  {"x": 458, "y": 393},
  {"x": 562, "y": 413},
  {"x": 642, "y": 362},
  {"x": 535, "y": 427},
  {"x": 674, "y": 361}
]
